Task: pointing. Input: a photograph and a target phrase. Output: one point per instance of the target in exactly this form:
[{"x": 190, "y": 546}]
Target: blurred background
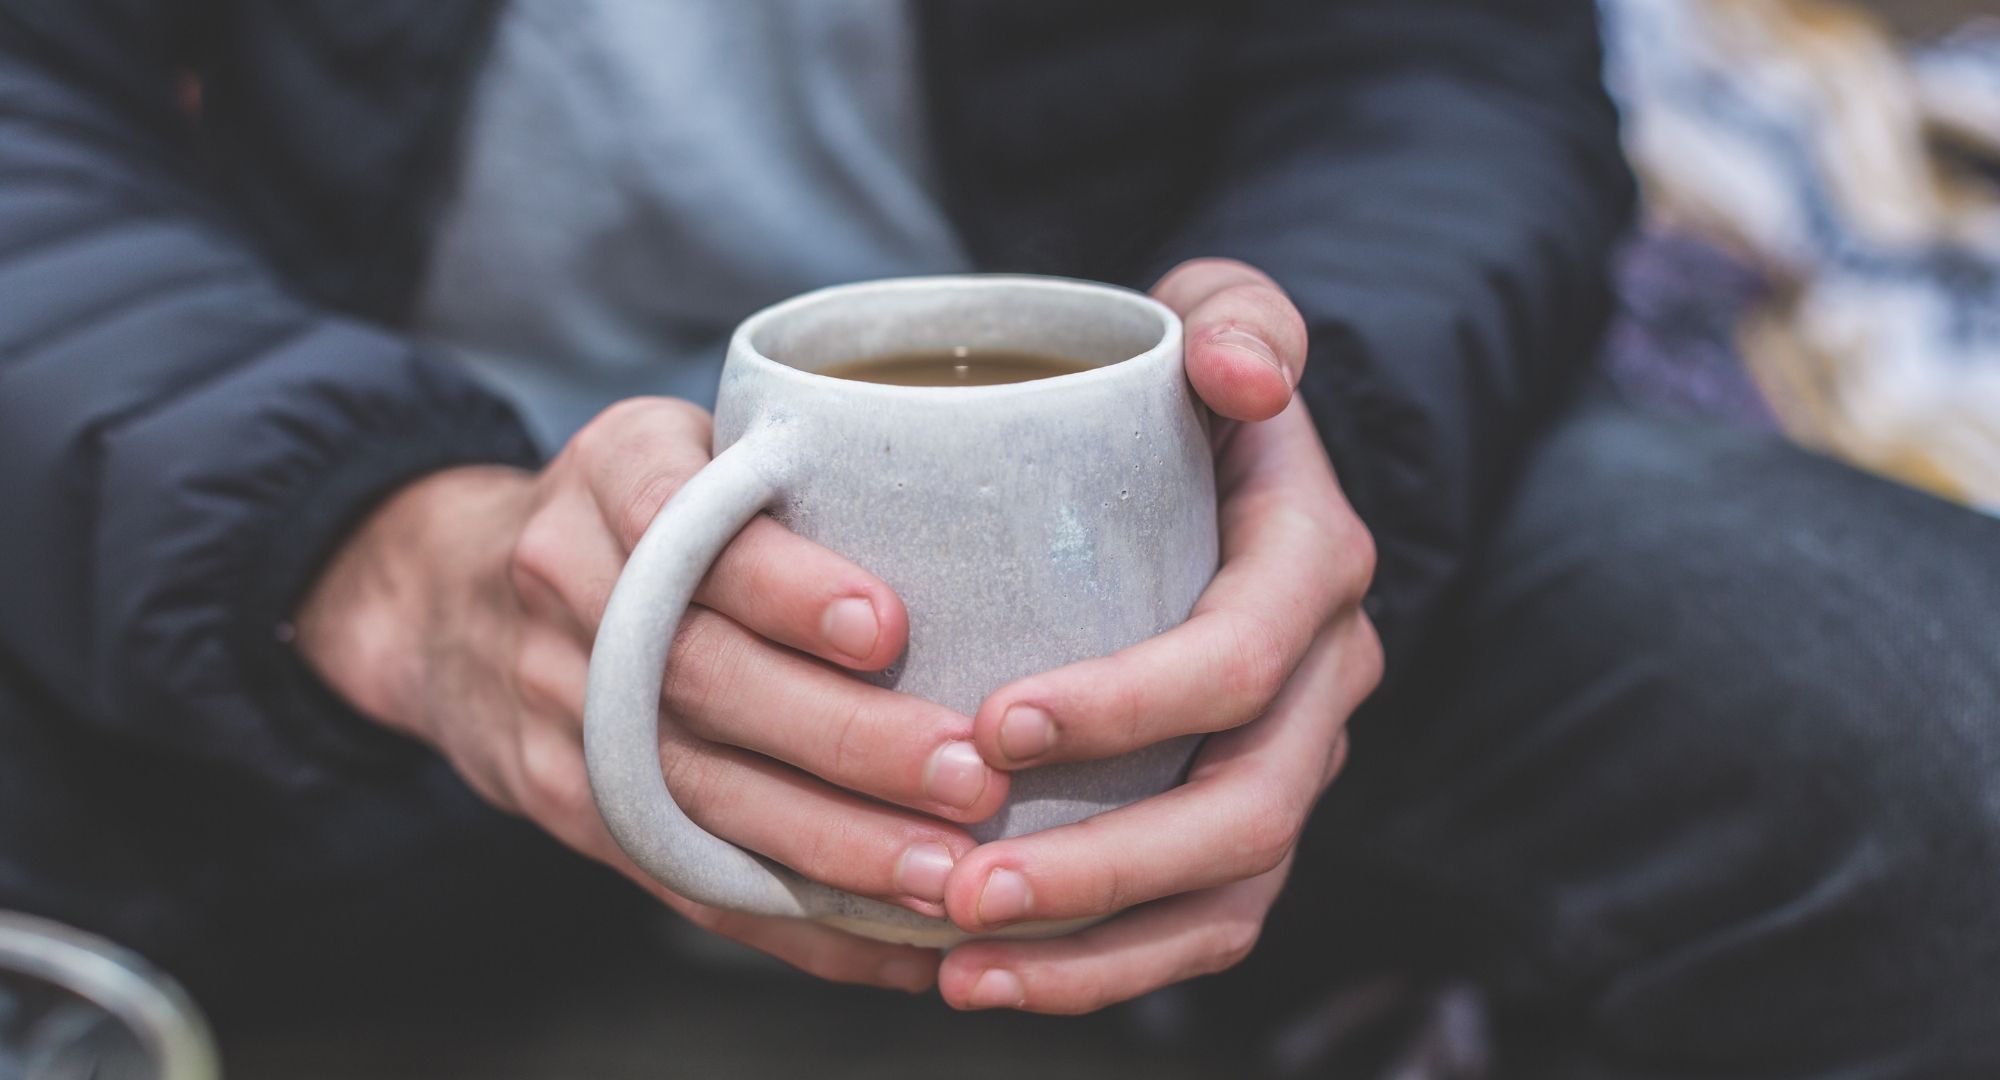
[
  {"x": 1821, "y": 241},
  {"x": 1819, "y": 254}
]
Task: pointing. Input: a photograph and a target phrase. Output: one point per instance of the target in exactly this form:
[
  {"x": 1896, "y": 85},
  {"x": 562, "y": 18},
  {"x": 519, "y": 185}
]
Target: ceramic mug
[{"x": 1025, "y": 526}]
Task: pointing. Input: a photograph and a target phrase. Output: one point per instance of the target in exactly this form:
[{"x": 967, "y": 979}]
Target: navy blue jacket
[{"x": 202, "y": 382}]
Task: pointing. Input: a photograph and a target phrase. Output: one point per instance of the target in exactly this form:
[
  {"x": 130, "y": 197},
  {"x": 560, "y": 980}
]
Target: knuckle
[
  {"x": 843, "y": 748},
  {"x": 1342, "y": 543},
  {"x": 1257, "y": 662},
  {"x": 1291, "y": 323},
  {"x": 814, "y": 853},
  {"x": 600, "y": 438},
  {"x": 1056, "y": 989},
  {"x": 536, "y": 555},
  {"x": 587, "y": 444},
  {"x": 1192, "y": 268},
  {"x": 536, "y": 684},
  {"x": 705, "y": 657},
  {"x": 1353, "y": 546},
  {"x": 762, "y": 563},
  {"x": 686, "y": 414},
  {"x": 1336, "y": 758},
  {"x": 1255, "y": 295},
  {"x": 1235, "y": 268},
  {"x": 1269, "y": 835},
  {"x": 1263, "y": 307},
  {"x": 1127, "y": 710},
  {"x": 642, "y": 503},
  {"x": 1104, "y": 886},
  {"x": 1092, "y": 993},
  {"x": 620, "y": 449},
  {"x": 844, "y": 854},
  {"x": 1114, "y": 889},
  {"x": 1232, "y": 943},
  {"x": 553, "y": 785},
  {"x": 612, "y": 430},
  {"x": 695, "y": 776},
  {"x": 1367, "y": 557},
  {"x": 1202, "y": 280},
  {"x": 1369, "y": 660}
]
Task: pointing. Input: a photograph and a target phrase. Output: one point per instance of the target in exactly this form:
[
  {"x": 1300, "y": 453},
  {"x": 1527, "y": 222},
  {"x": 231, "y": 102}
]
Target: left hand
[{"x": 1275, "y": 655}]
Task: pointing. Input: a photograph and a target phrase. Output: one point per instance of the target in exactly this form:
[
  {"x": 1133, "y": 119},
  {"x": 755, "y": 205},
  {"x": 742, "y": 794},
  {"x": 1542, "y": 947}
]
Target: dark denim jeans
[{"x": 1704, "y": 779}]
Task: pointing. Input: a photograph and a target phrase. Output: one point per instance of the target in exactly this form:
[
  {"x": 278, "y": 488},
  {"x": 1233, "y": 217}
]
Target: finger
[
  {"x": 817, "y": 950},
  {"x": 1133, "y": 954},
  {"x": 826, "y": 952},
  {"x": 827, "y": 835},
  {"x": 1246, "y": 342},
  {"x": 727, "y": 685},
  {"x": 1238, "y": 815},
  {"x": 832, "y": 836},
  {"x": 552, "y": 674},
  {"x": 634, "y": 456},
  {"x": 565, "y": 563},
  {"x": 782, "y": 586},
  {"x": 1290, "y": 563},
  {"x": 791, "y": 590},
  {"x": 769, "y": 579}
]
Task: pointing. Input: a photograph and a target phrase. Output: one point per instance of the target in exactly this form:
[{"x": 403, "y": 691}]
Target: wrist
[{"x": 374, "y": 614}]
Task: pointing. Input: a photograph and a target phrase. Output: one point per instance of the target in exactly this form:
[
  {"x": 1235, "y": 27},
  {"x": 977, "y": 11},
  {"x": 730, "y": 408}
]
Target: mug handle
[{"x": 621, "y": 738}]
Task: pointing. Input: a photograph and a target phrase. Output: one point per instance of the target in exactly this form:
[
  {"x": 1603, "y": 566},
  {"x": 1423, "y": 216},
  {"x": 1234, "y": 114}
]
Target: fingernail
[
  {"x": 956, "y": 775},
  {"x": 849, "y": 625},
  {"x": 1005, "y": 897},
  {"x": 1026, "y": 732},
  {"x": 997, "y": 989},
  {"x": 906, "y": 972},
  {"x": 1254, "y": 345},
  {"x": 922, "y": 870}
]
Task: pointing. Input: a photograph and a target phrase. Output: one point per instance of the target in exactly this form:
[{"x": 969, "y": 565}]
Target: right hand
[{"x": 461, "y": 612}]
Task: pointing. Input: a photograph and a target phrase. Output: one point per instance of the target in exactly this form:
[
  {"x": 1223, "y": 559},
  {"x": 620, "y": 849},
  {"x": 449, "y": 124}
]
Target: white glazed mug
[{"x": 1025, "y": 526}]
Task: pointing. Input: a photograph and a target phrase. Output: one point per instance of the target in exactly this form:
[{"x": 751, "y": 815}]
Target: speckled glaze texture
[{"x": 1025, "y": 526}]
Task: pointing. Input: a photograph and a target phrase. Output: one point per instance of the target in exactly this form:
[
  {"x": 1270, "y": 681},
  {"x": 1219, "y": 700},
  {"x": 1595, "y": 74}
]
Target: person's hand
[
  {"x": 462, "y": 612},
  {"x": 1275, "y": 656}
]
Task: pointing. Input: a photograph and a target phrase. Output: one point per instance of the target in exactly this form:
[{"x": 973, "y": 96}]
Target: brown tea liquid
[{"x": 955, "y": 367}]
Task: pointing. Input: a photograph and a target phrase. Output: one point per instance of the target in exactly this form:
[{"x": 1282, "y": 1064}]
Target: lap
[{"x": 1707, "y": 759}]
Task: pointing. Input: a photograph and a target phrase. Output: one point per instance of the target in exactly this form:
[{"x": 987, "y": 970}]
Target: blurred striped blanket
[{"x": 1822, "y": 247}]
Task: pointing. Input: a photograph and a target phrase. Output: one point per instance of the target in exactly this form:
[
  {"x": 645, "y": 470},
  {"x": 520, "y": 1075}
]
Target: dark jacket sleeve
[
  {"x": 182, "y": 439},
  {"x": 1437, "y": 184}
]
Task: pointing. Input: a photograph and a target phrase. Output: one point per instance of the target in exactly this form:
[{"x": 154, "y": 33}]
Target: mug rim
[{"x": 1167, "y": 347}]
